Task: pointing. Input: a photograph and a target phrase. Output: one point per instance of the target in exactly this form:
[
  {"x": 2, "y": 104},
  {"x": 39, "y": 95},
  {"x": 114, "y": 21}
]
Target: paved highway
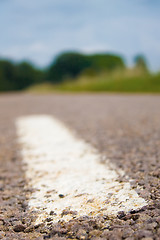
[{"x": 118, "y": 136}]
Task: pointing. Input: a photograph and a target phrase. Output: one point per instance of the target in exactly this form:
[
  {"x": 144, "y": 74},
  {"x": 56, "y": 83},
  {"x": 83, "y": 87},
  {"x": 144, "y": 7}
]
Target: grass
[{"x": 128, "y": 81}]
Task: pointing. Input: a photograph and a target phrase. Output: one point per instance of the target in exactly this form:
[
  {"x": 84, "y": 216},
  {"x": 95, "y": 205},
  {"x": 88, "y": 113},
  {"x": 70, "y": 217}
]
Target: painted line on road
[{"x": 68, "y": 178}]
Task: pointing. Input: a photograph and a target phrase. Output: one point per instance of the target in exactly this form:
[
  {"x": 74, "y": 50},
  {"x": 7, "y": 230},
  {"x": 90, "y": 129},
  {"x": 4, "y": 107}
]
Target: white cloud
[{"x": 89, "y": 49}]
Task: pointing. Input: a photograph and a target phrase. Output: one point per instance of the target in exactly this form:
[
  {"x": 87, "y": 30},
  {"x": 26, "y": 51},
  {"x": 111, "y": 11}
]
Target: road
[{"x": 124, "y": 129}]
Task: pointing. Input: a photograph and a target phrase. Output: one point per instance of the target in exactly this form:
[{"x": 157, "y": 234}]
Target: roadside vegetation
[
  {"x": 126, "y": 81},
  {"x": 76, "y": 72}
]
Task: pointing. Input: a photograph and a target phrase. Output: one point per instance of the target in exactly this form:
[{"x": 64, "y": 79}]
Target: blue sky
[{"x": 37, "y": 30}]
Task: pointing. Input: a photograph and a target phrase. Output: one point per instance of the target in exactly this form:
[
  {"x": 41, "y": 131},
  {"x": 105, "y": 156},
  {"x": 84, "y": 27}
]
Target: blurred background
[{"x": 80, "y": 46}]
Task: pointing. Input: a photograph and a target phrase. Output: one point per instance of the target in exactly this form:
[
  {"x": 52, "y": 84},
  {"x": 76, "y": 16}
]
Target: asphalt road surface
[{"x": 124, "y": 129}]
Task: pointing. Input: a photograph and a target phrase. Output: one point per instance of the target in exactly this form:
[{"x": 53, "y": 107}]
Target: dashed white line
[{"x": 67, "y": 175}]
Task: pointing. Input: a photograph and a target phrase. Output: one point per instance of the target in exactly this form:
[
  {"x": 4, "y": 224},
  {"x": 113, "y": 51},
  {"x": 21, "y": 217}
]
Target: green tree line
[{"x": 68, "y": 65}]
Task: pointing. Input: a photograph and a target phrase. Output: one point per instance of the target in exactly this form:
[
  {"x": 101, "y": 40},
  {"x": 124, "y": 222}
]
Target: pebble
[
  {"x": 2, "y": 234},
  {"x": 147, "y": 238},
  {"x": 95, "y": 233},
  {"x": 61, "y": 195},
  {"x": 19, "y": 228},
  {"x": 82, "y": 235}
]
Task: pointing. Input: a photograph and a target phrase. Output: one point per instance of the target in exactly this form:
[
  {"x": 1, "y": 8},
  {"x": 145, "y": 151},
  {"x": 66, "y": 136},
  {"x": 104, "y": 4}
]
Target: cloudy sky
[{"x": 38, "y": 30}]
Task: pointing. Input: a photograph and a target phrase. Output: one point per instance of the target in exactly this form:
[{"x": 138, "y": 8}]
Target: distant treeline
[{"x": 18, "y": 76}]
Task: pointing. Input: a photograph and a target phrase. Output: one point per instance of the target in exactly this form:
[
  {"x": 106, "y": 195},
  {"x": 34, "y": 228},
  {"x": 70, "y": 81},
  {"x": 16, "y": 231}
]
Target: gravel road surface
[{"x": 125, "y": 129}]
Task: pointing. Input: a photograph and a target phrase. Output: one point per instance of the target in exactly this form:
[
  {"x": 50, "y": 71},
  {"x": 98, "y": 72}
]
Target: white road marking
[{"x": 67, "y": 175}]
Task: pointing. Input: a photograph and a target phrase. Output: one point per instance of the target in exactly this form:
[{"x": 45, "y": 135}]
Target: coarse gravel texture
[{"x": 125, "y": 128}]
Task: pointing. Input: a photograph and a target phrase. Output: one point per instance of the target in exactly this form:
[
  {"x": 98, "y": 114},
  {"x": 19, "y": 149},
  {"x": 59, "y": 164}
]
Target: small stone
[
  {"x": 147, "y": 238},
  {"x": 152, "y": 226},
  {"x": 158, "y": 220},
  {"x": 24, "y": 205},
  {"x": 142, "y": 218},
  {"x": 19, "y": 228},
  {"x": 48, "y": 195},
  {"x": 16, "y": 222},
  {"x": 127, "y": 232},
  {"x": 95, "y": 233},
  {"x": 2, "y": 234},
  {"x": 90, "y": 200},
  {"x": 48, "y": 219},
  {"x": 116, "y": 234},
  {"x": 40, "y": 238},
  {"x": 82, "y": 235},
  {"x": 61, "y": 195},
  {"x": 130, "y": 238},
  {"x": 67, "y": 212},
  {"x": 105, "y": 234},
  {"x": 158, "y": 232},
  {"x": 121, "y": 214},
  {"x": 29, "y": 229},
  {"x": 52, "y": 213},
  {"x": 135, "y": 217},
  {"x": 140, "y": 234},
  {"x": 1, "y": 222}
]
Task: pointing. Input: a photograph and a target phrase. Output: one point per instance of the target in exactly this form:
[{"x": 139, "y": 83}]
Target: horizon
[{"x": 60, "y": 53}]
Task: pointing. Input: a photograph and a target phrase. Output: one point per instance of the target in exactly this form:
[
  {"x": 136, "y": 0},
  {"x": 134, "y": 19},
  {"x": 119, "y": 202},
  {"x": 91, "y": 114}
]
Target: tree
[
  {"x": 106, "y": 62},
  {"x": 18, "y": 76},
  {"x": 7, "y": 75},
  {"x": 140, "y": 63},
  {"x": 27, "y": 75},
  {"x": 70, "y": 65},
  {"x": 67, "y": 65}
]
